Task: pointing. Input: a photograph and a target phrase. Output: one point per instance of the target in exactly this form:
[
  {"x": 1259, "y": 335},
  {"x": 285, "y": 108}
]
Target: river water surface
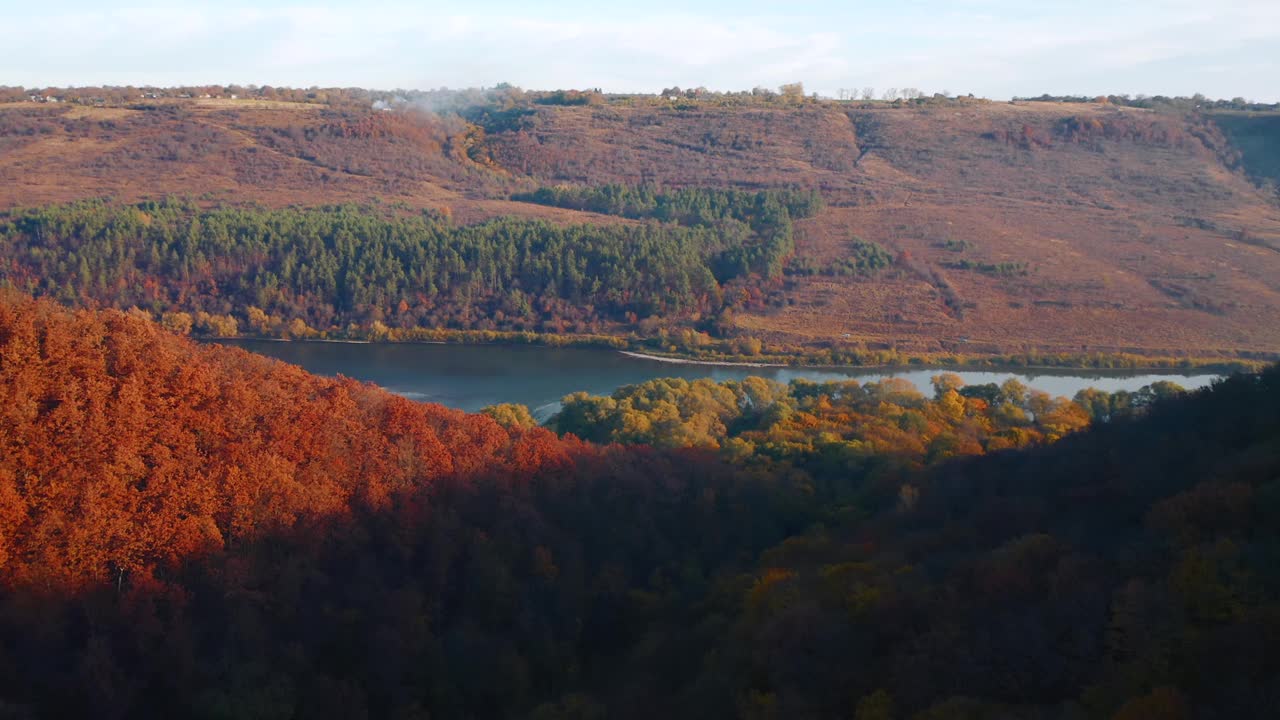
[{"x": 470, "y": 377}]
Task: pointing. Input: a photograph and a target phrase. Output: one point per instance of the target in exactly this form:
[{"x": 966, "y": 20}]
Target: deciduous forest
[
  {"x": 196, "y": 531},
  {"x": 192, "y": 530}
]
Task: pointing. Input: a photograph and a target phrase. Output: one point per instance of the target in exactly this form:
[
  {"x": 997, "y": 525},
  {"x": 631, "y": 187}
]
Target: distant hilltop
[
  {"x": 505, "y": 93},
  {"x": 1054, "y": 229}
]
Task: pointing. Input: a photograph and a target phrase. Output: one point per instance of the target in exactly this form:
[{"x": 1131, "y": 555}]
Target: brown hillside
[
  {"x": 1117, "y": 228},
  {"x": 1134, "y": 233}
]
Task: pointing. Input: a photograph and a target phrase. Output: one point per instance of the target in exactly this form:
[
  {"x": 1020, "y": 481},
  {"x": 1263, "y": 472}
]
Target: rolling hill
[{"x": 1029, "y": 226}]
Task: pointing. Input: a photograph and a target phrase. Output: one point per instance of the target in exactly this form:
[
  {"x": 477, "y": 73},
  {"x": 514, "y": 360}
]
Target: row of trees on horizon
[{"x": 446, "y": 99}]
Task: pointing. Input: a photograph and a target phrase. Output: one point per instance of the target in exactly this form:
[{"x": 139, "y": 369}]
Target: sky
[{"x": 991, "y": 48}]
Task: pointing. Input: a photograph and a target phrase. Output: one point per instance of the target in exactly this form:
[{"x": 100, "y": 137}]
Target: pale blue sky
[{"x": 992, "y": 48}]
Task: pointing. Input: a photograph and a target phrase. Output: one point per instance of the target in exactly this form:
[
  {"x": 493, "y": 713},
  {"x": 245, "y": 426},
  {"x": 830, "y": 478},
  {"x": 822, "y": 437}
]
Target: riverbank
[
  {"x": 690, "y": 361},
  {"x": 471, "y": 377},
  {"x": 796, "y": 357}
]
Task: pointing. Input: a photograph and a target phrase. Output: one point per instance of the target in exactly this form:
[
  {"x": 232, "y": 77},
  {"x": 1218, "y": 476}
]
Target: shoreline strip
[{"x": 683, "y": 361}]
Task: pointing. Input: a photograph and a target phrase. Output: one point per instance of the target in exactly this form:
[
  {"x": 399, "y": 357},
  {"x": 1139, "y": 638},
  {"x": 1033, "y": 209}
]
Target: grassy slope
[{"x": 1138, "y": 240}]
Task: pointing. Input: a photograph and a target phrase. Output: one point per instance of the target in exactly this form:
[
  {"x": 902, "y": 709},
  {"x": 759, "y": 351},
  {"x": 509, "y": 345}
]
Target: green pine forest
[{"x": 337, "y": 270}]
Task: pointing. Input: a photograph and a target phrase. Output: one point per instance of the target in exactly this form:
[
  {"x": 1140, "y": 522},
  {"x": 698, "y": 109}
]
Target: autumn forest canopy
[{"x": 192, "y": 530}]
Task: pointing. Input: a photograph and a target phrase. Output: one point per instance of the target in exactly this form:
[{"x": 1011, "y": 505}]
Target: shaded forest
[{"x": 196, "y": 531}]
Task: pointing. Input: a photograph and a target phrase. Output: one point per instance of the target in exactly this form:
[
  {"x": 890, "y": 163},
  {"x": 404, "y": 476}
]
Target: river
[{"x": 470, "y": 377}]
